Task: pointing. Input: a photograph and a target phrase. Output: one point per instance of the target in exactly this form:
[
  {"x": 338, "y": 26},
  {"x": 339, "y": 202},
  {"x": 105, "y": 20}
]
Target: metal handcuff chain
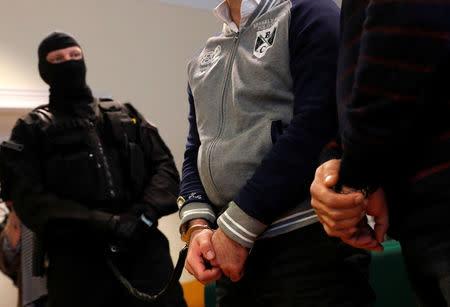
[{"x": 156, "y": 297}]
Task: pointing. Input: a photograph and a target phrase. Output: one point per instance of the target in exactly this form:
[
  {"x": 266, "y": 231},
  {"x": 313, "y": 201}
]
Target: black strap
[
  {"x": 47, "y": 117},
  {"x": 117, "y": 116},
  {"x": 144, "y": 296},
  {"x": 12, "y": 145}
]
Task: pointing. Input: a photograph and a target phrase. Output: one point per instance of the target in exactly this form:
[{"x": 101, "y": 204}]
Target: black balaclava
[{"x": 69, "y": 92}]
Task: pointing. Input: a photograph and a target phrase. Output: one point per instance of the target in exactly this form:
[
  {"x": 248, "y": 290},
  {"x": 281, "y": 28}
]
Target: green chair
[
  {"x": 210, "y": 295},
  {"x": 388, "y": 277}
]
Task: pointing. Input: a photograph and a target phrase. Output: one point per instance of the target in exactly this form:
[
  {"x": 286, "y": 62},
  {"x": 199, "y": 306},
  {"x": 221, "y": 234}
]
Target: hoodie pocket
[{"x": 276, "y": 130}]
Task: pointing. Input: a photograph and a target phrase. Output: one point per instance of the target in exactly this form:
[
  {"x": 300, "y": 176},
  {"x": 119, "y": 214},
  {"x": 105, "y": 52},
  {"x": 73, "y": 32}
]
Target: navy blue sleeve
[
  {"x": 191, "y": 186},
  {"x": 286, "y": 172}
]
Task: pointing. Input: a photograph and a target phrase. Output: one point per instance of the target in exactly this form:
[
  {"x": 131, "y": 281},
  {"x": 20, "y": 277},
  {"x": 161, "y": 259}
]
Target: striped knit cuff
[
  {"x": 239, "y": 226},
  {"x": 197, "y": 210}
]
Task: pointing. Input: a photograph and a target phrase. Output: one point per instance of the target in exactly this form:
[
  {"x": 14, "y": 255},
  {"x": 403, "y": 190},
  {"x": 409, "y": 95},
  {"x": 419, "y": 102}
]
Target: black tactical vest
[{"x": 98, "y": 161}]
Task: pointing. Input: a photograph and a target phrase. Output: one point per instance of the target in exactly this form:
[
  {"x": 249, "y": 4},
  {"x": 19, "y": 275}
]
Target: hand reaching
[
  {"x": 339, "y": 214},
  {"x": 344, "y": 215}
]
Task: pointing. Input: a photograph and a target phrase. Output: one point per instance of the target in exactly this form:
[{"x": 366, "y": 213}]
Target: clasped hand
[
  {"x": 212, "y": 254},
  {"x": 344, "y": 215}
]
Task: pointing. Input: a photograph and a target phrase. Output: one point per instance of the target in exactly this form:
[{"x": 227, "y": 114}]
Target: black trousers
[
  {"x": 79, "y": 276},
  {"x": 302, "y": 268},
  {"x": 425, "y": 241}
]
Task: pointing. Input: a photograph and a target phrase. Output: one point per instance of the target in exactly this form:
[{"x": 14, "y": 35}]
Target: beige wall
[
  {"x": 136, "y": 50},
  {"x": 8, "y": 293}
]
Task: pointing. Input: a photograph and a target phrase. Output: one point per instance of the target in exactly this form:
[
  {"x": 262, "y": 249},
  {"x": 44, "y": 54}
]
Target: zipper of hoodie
[{"x": 221, "y": 125}]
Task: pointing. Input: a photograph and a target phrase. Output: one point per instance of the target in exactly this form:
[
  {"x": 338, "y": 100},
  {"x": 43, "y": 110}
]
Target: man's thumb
[
  {"x": 331, "y": 180},
  {"x": 381, "y": 227}
]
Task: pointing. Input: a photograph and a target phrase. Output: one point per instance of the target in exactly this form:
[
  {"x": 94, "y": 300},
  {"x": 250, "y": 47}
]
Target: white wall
[
  {"x": 8, "y": 293},
  {"x": 135, "y": 49},
  {"x": 206, "y": 4}
]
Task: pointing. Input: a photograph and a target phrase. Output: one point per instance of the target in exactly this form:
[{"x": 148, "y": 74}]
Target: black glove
[
  {"x": 128, "y": 227},
  {"x": 124, "y": 226}
]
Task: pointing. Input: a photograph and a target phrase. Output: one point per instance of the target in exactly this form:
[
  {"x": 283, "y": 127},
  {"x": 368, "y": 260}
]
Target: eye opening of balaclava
[{"x": 67, "y": 80}]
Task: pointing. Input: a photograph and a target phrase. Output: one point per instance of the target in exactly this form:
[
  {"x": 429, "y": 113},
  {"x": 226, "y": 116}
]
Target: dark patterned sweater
[{"x": 393, "y": 97}]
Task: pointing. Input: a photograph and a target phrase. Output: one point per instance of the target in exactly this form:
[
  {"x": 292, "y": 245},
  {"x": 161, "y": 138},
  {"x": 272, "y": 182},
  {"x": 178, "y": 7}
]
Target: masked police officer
[{"x": 91, "y": 178}]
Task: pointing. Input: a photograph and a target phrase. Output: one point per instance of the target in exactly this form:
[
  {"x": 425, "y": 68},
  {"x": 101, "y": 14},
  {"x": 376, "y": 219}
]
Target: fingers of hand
[
  {"x": 371, "y": 245},
  {"x": 381, "y": 228},
  {"x": 339, "y": 222},
  {"x": 325, "y": 198},
  {"x": 378, "y": 209},
  {"x": 201, "y": 240},
  {"x": 343, "y": 226},
  {"x": 331, "y": 167},
  {"x": 377, "y": 204},
  {"x": 340, "y": 214},
  {"x": 207, "y": 276},
  {"x": 236, "y": 277},
  {"x": 364, "y": 238},
  {"x": 188, "y": 267},
  {"x": 325, "y": 177},
  {"x": 345, "y": 233},
  {"x": 230, "y": 256},
  {"x": 331, "y": 181},
  {"x": 379, "y": 248},
  {"x": 235, "y": 272},
  {"x": 204, "y": 242},
  {"x": 195, "y": 265},
  {"x": 360, "y": 240}
]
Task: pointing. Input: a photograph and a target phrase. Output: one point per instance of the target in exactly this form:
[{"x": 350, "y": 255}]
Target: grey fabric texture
[
  {"x": 226, "y": 73},
  {"x": 231, "y": 222},
  {"x": 196, "y": 210},
  {"x": 251, "y": 85}
]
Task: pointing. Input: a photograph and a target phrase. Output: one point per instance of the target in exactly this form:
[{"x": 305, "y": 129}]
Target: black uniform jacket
[{"x": 79, "y": 171}]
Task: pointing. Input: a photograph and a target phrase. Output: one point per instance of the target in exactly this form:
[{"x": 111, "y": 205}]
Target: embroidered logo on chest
[
  {"x": 264, "y": 40},
  {"x": 209, "y": 59}
]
